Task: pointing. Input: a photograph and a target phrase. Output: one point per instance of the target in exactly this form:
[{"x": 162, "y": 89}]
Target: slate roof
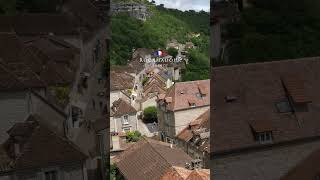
[
  {"x": 182, "y": 94},
  {"x": 120, "y": 107},
  {"x": 37, "y": 139},
  {"x": 200, "y": 125},
  {"x": 154, "y": 159},
  {"x": 258, "y": 87}
]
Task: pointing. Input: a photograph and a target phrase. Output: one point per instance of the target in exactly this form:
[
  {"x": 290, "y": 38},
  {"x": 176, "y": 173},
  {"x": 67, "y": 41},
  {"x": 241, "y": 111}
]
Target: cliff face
[{"x": 136, "y": 10}]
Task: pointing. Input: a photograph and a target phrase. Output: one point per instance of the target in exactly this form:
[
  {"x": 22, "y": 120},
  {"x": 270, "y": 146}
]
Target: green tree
[
  {"x": 150, "y": 114},
  {"x": 173, "y": 52}
]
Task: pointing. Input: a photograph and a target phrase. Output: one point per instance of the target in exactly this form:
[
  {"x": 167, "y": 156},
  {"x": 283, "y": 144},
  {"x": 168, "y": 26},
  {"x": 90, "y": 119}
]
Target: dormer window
[
  {"x": 192, "y": 104},
  {"x": 262, "y": 131},
  {"x": 264, "y": 137}
]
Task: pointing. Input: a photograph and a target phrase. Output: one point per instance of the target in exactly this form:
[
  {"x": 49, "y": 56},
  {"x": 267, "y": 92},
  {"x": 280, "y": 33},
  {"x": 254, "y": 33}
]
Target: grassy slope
[{"x": 129, "y": 33}]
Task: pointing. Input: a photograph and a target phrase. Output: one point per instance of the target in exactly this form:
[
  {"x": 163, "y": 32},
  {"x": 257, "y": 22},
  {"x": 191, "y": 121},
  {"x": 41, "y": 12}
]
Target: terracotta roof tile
[
  {"x": 153, "y": 158},
  {"x": 261, "y": 126},
  {"x": 198, "y": 127},
  {"x": 184, "y": 93},
  {"x": 180, "y": 173},
  {"x": 120, "y": 81},
  {"x": 258, "y": 88},
  {"x": 121, "y": 107},
  {"x": 295, "y": 87}
]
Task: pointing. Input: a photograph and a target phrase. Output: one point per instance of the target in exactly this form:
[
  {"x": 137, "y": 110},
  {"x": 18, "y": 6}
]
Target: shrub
[
  {"x": 133, "y": 136},
  {"x": 173, "y": 52},
  {"x": 150, "y": 114},
  {"x": 145, "y": 80}
]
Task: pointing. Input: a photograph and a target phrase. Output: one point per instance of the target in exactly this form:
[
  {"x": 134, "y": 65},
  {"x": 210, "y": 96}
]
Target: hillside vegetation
[
  {"x": 165, "y": 24},
  {"x": 274, "y": 30}
]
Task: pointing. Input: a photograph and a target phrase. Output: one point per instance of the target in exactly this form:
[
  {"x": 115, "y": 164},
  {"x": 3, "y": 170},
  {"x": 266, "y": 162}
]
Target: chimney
[{"x": 196, "y": 164}]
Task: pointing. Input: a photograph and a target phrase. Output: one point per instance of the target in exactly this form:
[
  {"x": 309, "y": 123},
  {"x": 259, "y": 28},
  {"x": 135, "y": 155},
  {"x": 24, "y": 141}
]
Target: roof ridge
[
  {"x": 313, "y": 58},
  {"x": 186, "y": 82},
  {"x": 158, "y": 152},
  {"x": 50, "y": 132}
]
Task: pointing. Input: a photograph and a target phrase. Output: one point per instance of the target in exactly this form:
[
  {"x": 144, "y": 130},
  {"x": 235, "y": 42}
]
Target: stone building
[
  {"x": 183, "y": 102},
  {"x": 264, "y": 118},
  {"x": 33, "y": 151},
  {"x": 195, "y": 139},
  {"x": 123, "y": 117}
]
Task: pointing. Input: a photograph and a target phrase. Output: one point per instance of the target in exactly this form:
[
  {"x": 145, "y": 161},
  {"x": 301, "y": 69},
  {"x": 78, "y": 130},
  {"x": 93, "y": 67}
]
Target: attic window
[
  {"x": 284, "y": 106},
  {"x": 262, "y": 130},
  {"x": 229, "y": 99},
  {"x": 192, "y": 104},
  {"x": 264, "y": 137}
]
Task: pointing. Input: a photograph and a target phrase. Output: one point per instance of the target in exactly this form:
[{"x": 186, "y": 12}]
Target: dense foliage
[
  {"x": 165, "y": 24},
  {"x": 150, "y": 114},
  {"x": 173, "y": 52},
  {"x": 274, "y": 30}
]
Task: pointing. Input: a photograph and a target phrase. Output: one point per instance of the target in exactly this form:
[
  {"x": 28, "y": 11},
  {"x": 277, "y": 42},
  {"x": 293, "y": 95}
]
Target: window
[
  {"x": 51, "y": 175},
  {"x": 126, "y": 129},
  {"x": 125, "y": 119},
  {"x": 284, "y": 106},
  {"x": 264, "y": 137}
]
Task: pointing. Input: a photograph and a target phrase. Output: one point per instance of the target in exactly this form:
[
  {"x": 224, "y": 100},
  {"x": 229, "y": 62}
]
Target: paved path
[{"x": 144, "y": 130}]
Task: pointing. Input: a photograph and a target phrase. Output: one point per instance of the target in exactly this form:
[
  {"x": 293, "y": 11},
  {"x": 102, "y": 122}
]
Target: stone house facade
[
  {"x": 123, "y": 117},
  {"x": 195, "y": 139},
  {"x": 183, "y": 102}
]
